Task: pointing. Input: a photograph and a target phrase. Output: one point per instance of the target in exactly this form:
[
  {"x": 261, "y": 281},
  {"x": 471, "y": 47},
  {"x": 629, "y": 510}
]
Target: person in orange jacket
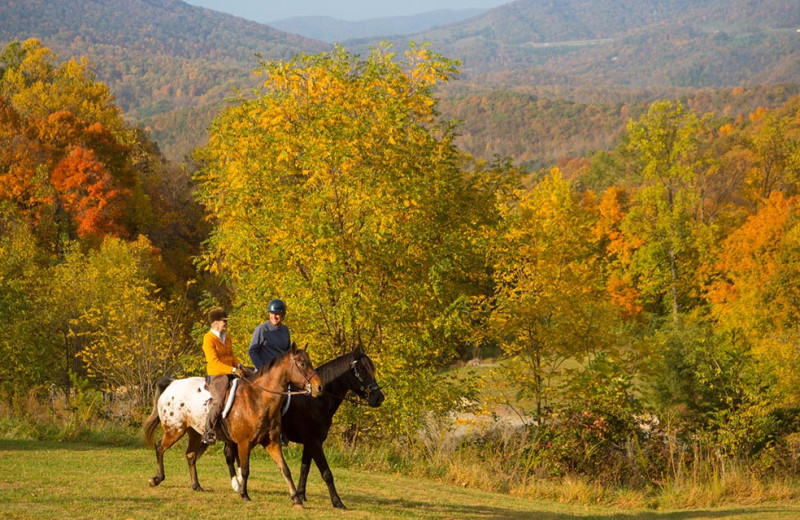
[{"x": 221, "y": 365}]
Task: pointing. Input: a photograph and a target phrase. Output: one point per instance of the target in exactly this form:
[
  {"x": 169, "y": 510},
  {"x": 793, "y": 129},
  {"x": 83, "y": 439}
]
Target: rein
[{"x": 288, "y": 392}]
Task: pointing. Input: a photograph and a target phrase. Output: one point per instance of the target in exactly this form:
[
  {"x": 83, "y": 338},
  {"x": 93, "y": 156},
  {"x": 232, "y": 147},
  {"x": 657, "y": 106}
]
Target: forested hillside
[
  {"x": 168, "y": 64},
  {"x": 539, "y": 126},
  {"x": 710, "y": 43}
]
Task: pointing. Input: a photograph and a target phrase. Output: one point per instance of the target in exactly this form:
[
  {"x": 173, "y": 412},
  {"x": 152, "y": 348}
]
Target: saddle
[{"x": 230, "y": 395}]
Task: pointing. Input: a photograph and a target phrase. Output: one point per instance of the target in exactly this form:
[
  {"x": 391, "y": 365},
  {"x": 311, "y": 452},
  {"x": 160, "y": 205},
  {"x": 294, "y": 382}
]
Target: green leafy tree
[
  {"x": 664, "y": 226},
  {"x": 24, "y": 363},
  {"x": 133, "y": 337},
  {"x": 102, "y": 317},
  {"x": 776, "y": 158}
]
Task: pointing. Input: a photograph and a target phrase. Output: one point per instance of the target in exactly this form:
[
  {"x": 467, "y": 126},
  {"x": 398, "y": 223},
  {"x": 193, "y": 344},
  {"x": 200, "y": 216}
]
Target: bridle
[
  {"x": 363, "y": 385},
  {"x": 307, "y": 391}
]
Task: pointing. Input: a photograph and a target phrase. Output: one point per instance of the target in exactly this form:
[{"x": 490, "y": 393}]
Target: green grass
[{"x": 44, "y": 480}]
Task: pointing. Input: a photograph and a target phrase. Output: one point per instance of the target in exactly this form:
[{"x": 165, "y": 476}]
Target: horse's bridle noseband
[
  {"x": 307, "y": 378},
  {"x": 365, "y": 387}
]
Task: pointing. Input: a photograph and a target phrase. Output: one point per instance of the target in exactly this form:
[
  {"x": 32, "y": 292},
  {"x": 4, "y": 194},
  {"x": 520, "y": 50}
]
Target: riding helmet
[{"x": 277, "y": 307}]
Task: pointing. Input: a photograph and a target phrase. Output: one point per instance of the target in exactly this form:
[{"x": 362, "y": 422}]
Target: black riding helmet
[{"x": 277, "y": 307}]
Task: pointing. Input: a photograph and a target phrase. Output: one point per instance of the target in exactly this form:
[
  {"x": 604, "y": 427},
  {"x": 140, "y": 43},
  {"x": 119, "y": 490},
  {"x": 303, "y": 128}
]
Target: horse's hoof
[
  {"x": 198, "y": 488},
  {"x": 245, "y": 497},
  {"x": 339, "y": 506},
  {"x": 154, "y": 482}
]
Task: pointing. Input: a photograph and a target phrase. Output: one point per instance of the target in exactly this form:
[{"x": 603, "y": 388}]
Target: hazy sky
[{"x": 272, "y": 10}]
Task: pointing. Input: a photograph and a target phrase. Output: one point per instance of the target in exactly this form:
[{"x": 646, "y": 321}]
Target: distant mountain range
[
  {"x": 332, "y": 30},
  {"x": 691, "y": 43},
  {"x": 170, "y": 64}
]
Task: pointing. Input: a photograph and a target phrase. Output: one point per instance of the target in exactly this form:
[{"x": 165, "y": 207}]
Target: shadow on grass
[
  {"x": 490, "y": 512},
  {"x": 28, "y": 445}
]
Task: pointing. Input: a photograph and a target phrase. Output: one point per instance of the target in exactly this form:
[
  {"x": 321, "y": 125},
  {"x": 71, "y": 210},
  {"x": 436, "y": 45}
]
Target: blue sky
[{"x": 272, "y": 10}]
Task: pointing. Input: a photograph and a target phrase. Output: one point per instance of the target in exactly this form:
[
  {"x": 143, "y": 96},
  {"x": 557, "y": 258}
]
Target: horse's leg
[
  {"x": 321, "y": 461},
  {"x": 244, "y": 467},
  {"x": 305, "y": 466},
  {"x": 276, "y": 452},
  {"x": 194, "y": 450},
  {"x": 168, "y": 439},
  {"x": 230, "y": 459}
]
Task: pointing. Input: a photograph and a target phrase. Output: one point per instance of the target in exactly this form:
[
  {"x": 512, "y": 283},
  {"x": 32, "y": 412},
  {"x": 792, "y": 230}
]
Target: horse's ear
[
  {"x": 294, "y": 347},
  {"x": 359, "y": 350}
]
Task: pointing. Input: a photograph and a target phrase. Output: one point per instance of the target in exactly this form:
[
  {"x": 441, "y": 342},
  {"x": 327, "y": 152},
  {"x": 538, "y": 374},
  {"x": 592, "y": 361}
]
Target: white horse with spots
[{"x": 181, "y": 405}]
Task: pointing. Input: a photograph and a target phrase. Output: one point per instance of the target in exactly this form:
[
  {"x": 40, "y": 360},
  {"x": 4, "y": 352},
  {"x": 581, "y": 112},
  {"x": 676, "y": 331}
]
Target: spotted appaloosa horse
[
  {"x": 181, "y": 405},
  {"x": 307, "y": 420}
]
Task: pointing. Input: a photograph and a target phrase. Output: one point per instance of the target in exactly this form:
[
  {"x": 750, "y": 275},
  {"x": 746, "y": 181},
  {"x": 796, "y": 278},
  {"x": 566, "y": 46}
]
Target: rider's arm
[{"x": 256, "y": 352}]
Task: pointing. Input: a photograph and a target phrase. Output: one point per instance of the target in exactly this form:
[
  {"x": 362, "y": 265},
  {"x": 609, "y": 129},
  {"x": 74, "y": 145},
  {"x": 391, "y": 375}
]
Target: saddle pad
[
  {"x": 288, "y": 400},
  {"x": 231, "y": 397}
]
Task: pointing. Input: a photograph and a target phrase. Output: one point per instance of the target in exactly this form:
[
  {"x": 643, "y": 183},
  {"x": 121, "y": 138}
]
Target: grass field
[{"x": 47, "y": 480}]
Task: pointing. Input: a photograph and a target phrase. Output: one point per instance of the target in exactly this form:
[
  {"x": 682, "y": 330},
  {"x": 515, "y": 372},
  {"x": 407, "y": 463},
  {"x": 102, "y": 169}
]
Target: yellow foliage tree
[
  {"x": 337, "y": 189},
  {"x": 550, "y": 303},
  {"x": 115, "y": 321}
]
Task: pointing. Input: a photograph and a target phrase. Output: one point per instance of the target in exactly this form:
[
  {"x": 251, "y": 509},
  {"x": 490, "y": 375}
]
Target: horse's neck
[
  {"x": 336, "y": 389},
  {"x": 338, "y": 386},
  {"x": 276, "y": 379}
]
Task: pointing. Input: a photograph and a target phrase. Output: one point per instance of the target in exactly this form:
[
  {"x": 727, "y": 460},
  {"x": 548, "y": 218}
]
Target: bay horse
[
  {"x": 307, "y": 421},
  {"x": 181, "y": 405}
]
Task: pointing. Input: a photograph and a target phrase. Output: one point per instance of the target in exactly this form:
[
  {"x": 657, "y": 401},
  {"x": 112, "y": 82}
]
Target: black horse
[{"x": 307, "y": 420}]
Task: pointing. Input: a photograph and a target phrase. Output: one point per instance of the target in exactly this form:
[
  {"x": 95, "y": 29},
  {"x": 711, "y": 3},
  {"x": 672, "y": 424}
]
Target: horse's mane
[
  {"x": 334, "y": 368},
  {"x": 272, "y": 362}
]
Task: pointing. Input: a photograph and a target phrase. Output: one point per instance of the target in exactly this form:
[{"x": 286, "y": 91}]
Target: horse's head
[
  {"x": 363, "y": 372},
  {"x": 302, "y": 373}
]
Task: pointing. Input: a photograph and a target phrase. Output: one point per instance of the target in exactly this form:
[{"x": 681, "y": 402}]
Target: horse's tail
[{"x": 152, "y": 422}]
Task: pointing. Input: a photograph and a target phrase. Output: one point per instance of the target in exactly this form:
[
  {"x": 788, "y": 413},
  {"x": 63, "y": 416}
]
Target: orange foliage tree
[
  {"x": 65, "y": 162},
  {"x": 87, "y": 194}
]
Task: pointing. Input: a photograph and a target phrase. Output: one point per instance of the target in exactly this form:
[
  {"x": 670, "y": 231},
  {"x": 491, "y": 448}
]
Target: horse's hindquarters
[{"x": 184, "y": 403}]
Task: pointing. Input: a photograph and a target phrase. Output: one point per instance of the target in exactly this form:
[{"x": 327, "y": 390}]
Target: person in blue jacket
[{"x": 271, "y": 338}]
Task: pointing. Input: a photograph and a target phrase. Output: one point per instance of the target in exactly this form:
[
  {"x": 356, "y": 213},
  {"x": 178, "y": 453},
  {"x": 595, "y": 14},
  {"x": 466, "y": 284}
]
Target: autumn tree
[
  {"x": 754, "y": 300},
  {"x": 67, "y": 161},
  {"x": 21, "y": 276},
  {"x": 338, "y": 189},
  {"x": 664, "y": 225},
  {"x": 775, "y": 164},
  {"x": 73, "y": 174},
  {"x": 127, "y": 334},
  {"x": 550, "y": 304}
]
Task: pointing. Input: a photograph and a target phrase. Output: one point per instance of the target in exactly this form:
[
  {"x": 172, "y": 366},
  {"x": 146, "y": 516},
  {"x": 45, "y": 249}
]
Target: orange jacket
[{"x": 219, "y": 358}]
